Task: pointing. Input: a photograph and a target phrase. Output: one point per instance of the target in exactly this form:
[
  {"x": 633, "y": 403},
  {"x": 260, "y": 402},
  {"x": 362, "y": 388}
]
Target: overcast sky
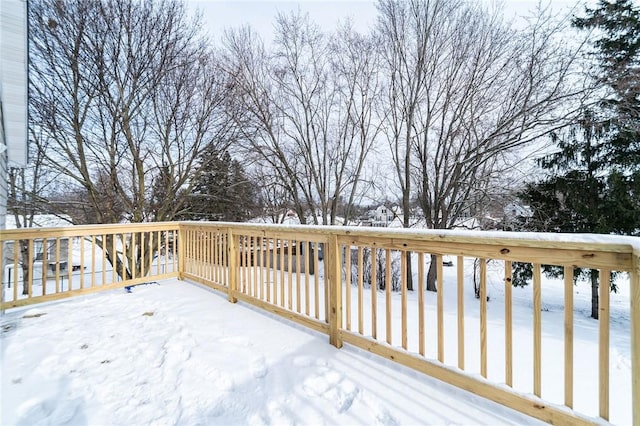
[{"x": 221, "y": 14}]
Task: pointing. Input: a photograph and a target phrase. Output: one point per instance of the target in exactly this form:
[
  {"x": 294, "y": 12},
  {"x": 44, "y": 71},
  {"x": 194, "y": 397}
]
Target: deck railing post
[
  {"x": 333, "y": 256},
  {"x": 233, "y": 265},
  {"x": 635, "y": 338}
]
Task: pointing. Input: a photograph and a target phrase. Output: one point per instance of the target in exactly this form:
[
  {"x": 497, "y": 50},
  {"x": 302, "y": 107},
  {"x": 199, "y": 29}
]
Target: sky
[{"x": 221, "y": 14}]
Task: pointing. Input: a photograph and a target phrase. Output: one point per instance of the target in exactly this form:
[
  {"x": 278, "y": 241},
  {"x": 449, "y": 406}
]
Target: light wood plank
[
  {"x": 568, "y": 336},
  {"x": 374, "y": 294},
  {"x": 70, "y": 263},
  {"x": 307, "y": 275},
  {"x": 421, "y": 331},
  {"x": 103, "y": 247},
  {"x": 81, "y": 263},
  {"x": 175, "y": 247},
  {"x": 333, "y": 260},
  {"x": 29, "y": 268},
  {"x": 57, "y": 273},
  {"x": 440, "y": 307},
  {"x": 298, "y": 283},
  {"x": 123, "y": 272},
  {"x": 16, "y": 256},
  {"x": 45, "y": 265},
  {"x": 316, "y": 279},
  {"x": 635, "y": 336},
  {"x": 232, "y": 258},
  {"x": 132, "y": 254},
  {"x": 93, "y": 261},
  {"x": 348, "y": 285},
  {"x": 387, "y": 290},
  {"x": 282, "y": 283},
  {"x": 403, "y": 298},
  {"x": 508, "y": 323},
  {"x": 603, "y": 342},
  {"x": 587, "y": 254},
  {"x": 460, "y": 282},
  {"x": 290, "y": 246},
  {"x": 360, "y": 292},
  {"x": 483, "y": 318},
  {"x": 537, "y": 330},
  {"x": 114, "y": 259},
  {"x": 274, "y": 269},
  {"x": 259, "y": 268}
]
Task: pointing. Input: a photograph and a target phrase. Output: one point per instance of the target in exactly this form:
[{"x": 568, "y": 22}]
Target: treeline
[
  {"x": 136, "y": 116},
  {"x": 131, "y": 108}
]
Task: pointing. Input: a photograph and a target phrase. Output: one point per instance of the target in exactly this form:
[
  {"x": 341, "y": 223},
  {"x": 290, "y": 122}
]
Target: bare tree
[
  {"x": 356, "y": 73},
  {"x": 466, "y": 91},
  {"x": 305, "y": 110},
  {"x": 411, "y": 35},
  {"x": 127, "y": 96}
]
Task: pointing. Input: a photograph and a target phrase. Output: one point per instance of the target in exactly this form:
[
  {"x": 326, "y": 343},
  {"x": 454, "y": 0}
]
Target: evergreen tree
[
  {"x": 617, "y": 49},
  {"x": 592, "y": 184},
  {"x": 583, "y": 192},
  {"x": 222, "y": 191},
  {"x": 575, "y": 197}
]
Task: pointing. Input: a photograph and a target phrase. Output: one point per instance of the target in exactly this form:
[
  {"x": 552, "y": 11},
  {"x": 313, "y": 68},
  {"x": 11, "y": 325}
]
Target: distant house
[
  {"x": 384, "y": 216},
  {"x": 513, "y": 212}
]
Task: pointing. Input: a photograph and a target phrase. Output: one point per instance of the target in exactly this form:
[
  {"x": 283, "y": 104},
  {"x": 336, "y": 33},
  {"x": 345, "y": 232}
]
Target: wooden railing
[
  {"x": 44, "y": 264},
  {"x": 351, "y": 283}
]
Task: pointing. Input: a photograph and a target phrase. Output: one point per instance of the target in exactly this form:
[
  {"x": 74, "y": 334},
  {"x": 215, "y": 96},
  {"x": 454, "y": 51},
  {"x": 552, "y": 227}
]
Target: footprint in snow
[
  {"x": 308, "y": 361},
  {"x": 258, "y": 367},
  {"x": 333, "y": 387},
  {"x": 221, "y": 380},
  {"x": 49, "y": 411},
  {"x": 381, "y": 416},
  {"x": 303, "y": 361}
]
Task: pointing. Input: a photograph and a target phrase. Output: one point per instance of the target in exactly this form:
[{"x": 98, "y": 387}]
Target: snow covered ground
[{"x": 176, "y": 353}]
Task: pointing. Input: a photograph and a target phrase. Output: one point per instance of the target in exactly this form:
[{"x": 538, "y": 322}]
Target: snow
[
  {"x": 177, "y": 353},
  {"x": 42, "y": 221}
]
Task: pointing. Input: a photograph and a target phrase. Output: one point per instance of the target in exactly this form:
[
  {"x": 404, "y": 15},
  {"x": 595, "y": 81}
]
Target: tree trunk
[
  {"x": 432, "y": 274},
  {"x": 26, "y": 268},
  {"x": 594, "y": 294},
  {"x": 409, "y": 271}
]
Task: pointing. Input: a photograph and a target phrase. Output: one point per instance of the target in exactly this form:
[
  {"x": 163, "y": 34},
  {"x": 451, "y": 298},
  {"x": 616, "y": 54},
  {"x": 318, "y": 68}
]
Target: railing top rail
[
  {"x": 595, "y": 242},
  {"x": 584, "y": 242},
  {"x": 80, "y": 230}
]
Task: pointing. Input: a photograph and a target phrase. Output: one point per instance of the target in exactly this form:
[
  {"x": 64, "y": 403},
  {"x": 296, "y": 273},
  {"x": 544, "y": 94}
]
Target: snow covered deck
[{"x": 177, "y": 353}]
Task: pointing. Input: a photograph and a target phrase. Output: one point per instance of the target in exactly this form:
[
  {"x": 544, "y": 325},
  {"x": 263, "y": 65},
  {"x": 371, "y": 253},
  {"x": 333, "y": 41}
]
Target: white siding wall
[{"x": 13, "y": 75}]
